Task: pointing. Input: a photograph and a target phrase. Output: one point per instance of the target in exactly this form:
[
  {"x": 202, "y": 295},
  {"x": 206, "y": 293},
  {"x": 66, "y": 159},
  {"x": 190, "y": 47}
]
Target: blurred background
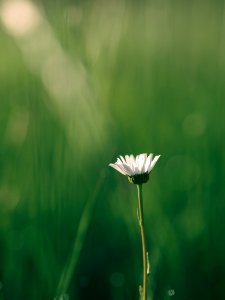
[{"x": 82, "y": 82}]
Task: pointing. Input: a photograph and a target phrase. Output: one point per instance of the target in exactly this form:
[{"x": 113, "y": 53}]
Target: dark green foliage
[{"x": 149, "y": 77}]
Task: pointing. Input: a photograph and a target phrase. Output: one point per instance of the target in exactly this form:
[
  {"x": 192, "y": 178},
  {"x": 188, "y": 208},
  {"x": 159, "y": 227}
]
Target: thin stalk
[
  {"x": 82, "y": 230},
  {"x": 144, "y": 250}
]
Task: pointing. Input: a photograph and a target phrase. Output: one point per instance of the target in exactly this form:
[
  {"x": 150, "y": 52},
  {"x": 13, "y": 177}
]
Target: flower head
[{"x": 136, "y": 168}]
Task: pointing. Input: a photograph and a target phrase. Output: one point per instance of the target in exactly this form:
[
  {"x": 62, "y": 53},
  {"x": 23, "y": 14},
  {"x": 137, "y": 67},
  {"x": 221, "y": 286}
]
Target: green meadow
[{"x": 82, "y": 82}]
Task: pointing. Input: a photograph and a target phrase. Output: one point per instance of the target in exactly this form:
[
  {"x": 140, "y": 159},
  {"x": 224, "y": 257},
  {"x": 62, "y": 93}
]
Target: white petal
[
  {"x": 127, "y": 158},
  {"x": 137, "y": 160},
  {"x": 122, "y": 159},
  {"x": 132, "y": 159},
  {"x": 142, "y": 159},
  {"x": 136, "y": 170},
  {"x": 136, "y": 165},
  {"x": 130, "y": 165},
  {"x": 153, "y": 163},
  {"x": 132, "y": 162},
  {"x": 119, "y": 161},
  {"x": 116, "y": 167},
  {"x": 127, "y": 169},
  {"x": 148, "y": 162},
  {"x": 121, "y": 166}
]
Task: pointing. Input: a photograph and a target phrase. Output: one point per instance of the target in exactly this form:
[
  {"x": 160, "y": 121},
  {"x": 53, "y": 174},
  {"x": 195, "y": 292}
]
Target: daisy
[{"x": 136, "y": 168}]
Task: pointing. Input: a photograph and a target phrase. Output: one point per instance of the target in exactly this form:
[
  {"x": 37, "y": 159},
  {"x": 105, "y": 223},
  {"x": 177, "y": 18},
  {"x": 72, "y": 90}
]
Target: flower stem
[{"x": 144, "y": 251}]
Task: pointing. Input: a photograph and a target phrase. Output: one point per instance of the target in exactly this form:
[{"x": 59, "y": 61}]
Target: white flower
[{"x": 136, "y": 168}]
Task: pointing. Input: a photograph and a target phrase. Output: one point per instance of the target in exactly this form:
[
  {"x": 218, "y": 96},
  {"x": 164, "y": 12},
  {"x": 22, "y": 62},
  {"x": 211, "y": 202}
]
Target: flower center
[{"x": 139, "y": 178}]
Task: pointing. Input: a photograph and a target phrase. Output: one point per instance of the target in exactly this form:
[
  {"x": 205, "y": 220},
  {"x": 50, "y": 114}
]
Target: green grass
[{"x": 149, "y": 78}]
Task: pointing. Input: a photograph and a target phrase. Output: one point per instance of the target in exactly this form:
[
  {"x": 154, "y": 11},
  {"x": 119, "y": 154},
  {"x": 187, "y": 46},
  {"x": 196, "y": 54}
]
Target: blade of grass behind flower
[{"x": 82, "y": 230}]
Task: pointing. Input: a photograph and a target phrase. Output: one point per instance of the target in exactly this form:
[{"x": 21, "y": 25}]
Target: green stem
[{"x": 144, "y": 251}]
